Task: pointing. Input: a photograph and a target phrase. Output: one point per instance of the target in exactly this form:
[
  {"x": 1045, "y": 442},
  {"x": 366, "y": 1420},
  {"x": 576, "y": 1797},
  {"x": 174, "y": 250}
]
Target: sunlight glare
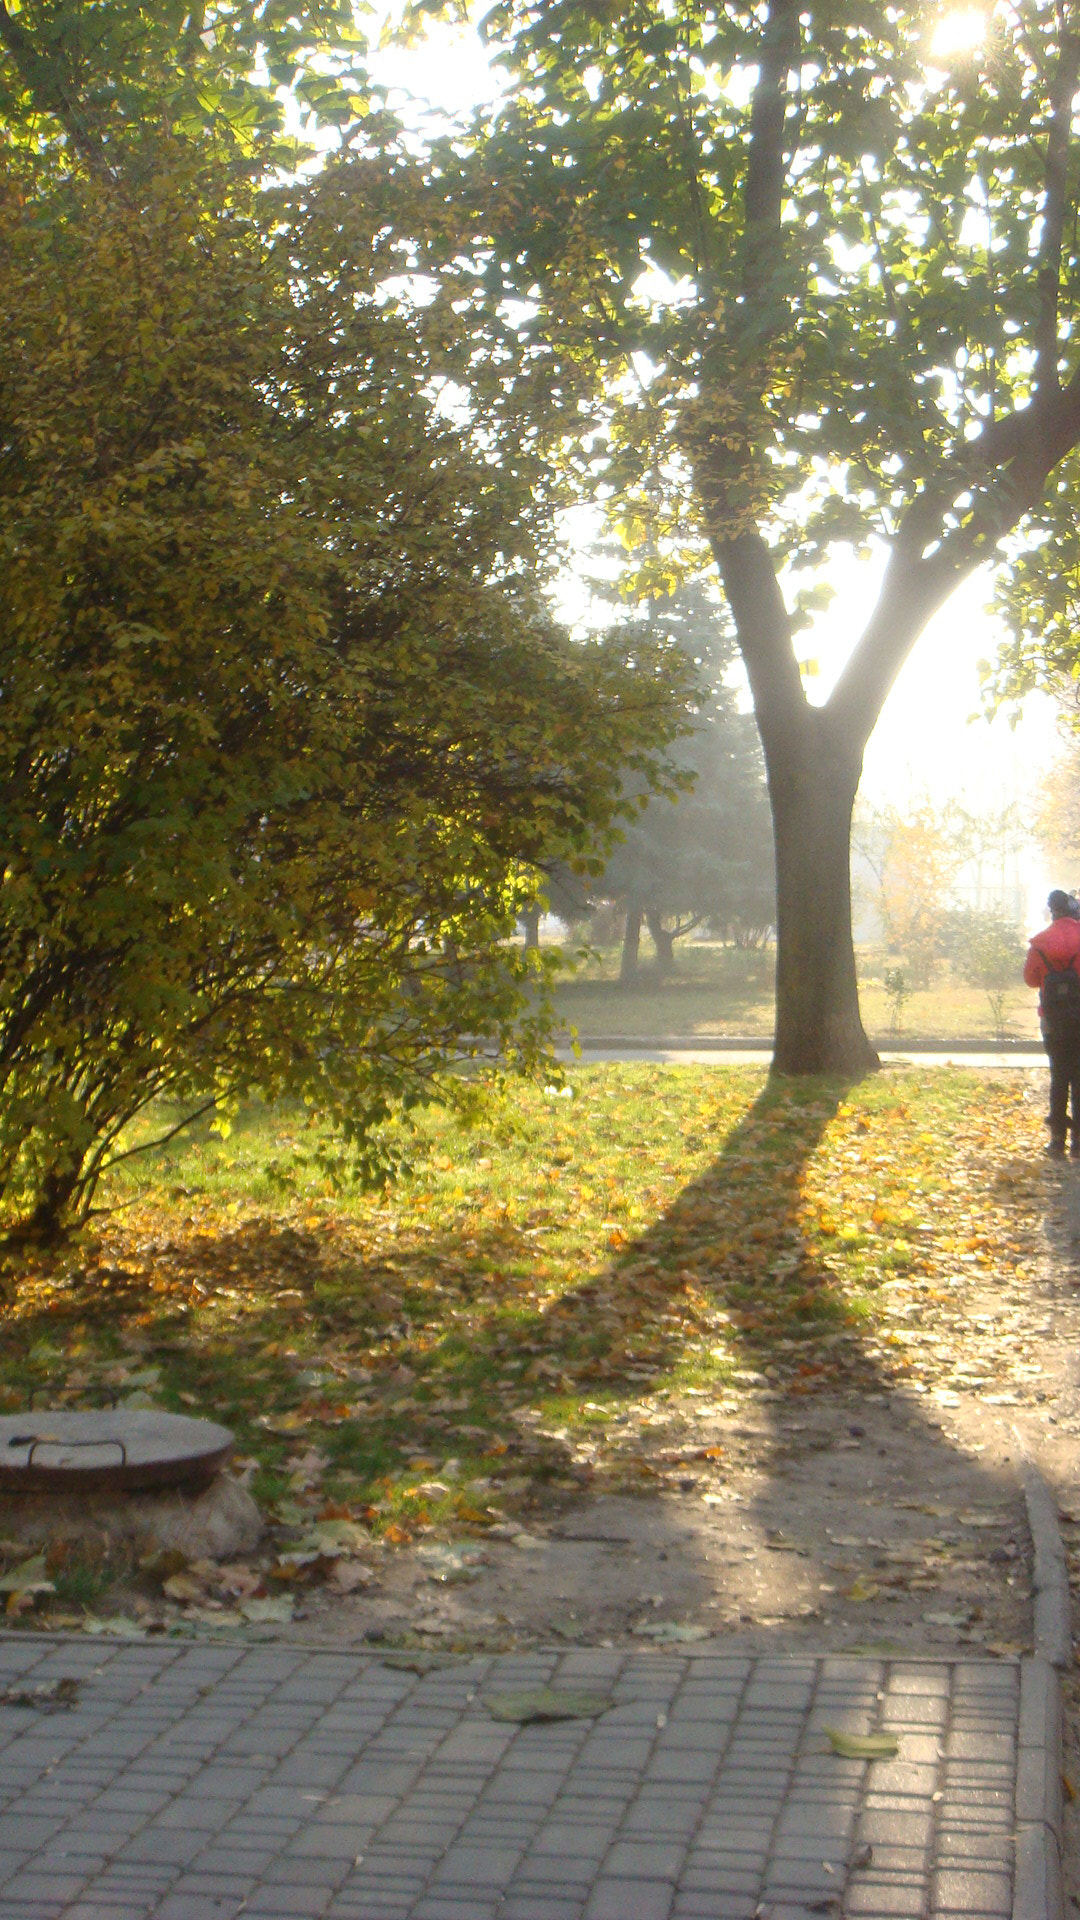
[{"x": 958, "y": 32}]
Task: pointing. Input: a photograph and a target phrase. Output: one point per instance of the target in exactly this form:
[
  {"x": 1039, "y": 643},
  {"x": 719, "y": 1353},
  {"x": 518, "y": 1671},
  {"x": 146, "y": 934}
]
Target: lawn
[
  {"x": 722, "y": 990},
  {"x": 440, "y": 1353}
]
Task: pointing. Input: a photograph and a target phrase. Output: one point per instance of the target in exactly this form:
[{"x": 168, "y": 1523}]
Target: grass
[
  {"x": 719, "y": 989},
  {"x": 447, "y": 1351}
]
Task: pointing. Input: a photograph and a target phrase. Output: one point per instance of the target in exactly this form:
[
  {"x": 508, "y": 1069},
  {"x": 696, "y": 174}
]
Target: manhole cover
[{"x": 61, "y": 1451}]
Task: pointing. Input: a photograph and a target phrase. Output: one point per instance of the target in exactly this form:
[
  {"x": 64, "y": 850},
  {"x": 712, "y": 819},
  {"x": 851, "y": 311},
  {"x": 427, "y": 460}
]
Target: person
[{"x": 1053, "y": 965}]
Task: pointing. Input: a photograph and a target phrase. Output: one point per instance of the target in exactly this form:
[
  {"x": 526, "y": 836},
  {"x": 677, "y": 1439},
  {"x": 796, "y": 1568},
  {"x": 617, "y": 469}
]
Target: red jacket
[{"x": 1060, "y": 946}]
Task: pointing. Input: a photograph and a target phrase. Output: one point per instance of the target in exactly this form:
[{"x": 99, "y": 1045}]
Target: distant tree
[
  {"x": 987, "y": 950},
  {"x": 706, "y": 854},
  {"x": 1057, "y": 811},
  {"x": 917, "y": 859}
]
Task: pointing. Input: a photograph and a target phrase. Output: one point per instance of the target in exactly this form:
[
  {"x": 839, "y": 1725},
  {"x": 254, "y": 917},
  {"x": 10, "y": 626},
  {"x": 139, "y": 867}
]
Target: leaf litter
[{"x": 413, "y": 1371}]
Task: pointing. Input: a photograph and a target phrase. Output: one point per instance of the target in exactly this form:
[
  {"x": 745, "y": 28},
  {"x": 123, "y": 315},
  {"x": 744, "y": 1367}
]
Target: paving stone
[
  {"x": 436, "y": 1906},
  {"x": 470, "y": 1866},
  {"x": 711, "y": 1906},
  {"x": 518, "y": 1906},
  {"x": 193, "y": 1906},
  {"x": 652, "y": 1860},
  {"x": 966, "y": 1890},
  {"x": 630, "y": 1900},
  {"x": 39, "y": 1884},
  {"x": 286, "y": 1903},
  {"x": 262, "y": 1775}
]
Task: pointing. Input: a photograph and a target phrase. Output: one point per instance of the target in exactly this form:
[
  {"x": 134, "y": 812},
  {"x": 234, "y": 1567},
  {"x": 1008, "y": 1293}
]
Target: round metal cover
[{"x": 60, "y": 1451}]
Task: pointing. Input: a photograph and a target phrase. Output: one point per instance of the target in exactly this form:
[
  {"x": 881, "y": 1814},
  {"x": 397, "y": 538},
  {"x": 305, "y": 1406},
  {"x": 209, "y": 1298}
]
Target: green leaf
[
  {"x": 548, "y": 1703},
  {"x": 862, "y": 1746},
  {"x": 28, "y": 1577}
]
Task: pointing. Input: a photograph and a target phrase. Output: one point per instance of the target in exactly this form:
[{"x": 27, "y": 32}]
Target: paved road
[{"x": 205, "y": 1781}]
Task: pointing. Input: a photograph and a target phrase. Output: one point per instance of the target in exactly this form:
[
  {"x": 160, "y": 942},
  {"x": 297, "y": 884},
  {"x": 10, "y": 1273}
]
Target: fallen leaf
[
  {"x": 184, "y": 1588},
  {"x": 862, "y": 1746},
  {"x": 349, "y": 1576},
  {"x": 46, "y": 1695},
  {"x": 27, "y": 1579},
  {"x": 547, "y": 1703},
  {"x": 451, "y": 1564},
  {"x": 861, "y": 1590},
  {"x": 277, "y": 1611},
  {"x": 673, "y": 1630}
]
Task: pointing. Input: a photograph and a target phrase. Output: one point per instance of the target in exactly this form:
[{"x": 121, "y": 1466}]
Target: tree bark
[
  {"x": 818, "y": 1024},
  {"x": 628, "y": 966},
  {"x": 530, "y": 921},
  {"x": 813, "y": 758},
  {"x": 663, "y": 941}
]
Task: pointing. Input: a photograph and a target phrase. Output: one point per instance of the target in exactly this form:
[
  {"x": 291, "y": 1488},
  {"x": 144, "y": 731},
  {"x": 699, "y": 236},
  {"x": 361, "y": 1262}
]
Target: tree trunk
[
  {"x": 813, "y": 758},
  {"x": 628, "y": 966},
  {"x": 664, "y": 942},
  {"x": 818, "y": 1025},
  {"x": 530, "y": 921}
]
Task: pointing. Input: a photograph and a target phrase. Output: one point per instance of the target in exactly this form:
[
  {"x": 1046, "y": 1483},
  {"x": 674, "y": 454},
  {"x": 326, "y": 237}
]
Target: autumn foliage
[{"x": 284, "y": 728}]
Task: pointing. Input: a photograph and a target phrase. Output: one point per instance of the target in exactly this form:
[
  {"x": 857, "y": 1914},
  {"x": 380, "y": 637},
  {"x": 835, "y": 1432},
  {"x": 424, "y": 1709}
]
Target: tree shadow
[
  {"x": 731, "y": 1268},
  {"x": 459, "y": 1352}
]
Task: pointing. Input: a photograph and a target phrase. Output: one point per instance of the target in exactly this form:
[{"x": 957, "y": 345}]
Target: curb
[
  {"x": 763, "y": 1043},
  {"x": 1038, "y": 1891},
  {"x": 1053, "y": 1622}
]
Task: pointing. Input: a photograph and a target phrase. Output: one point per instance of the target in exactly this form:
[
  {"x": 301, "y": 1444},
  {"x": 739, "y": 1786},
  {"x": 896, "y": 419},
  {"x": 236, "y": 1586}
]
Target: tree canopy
[{"x": 285, "y": 727}]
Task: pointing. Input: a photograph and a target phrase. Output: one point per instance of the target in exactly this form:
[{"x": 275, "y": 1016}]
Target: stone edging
[
  {"x": 1052, "y": 1609},
  {"x": 1038, "y": 1893},
  {"x": 1037, "y": 1883}
]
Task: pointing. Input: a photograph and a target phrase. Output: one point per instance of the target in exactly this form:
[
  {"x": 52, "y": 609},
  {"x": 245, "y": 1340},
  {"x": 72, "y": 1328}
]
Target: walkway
[
  {"x": 202, "y": 1781},
  {"x": 676, "y": 1050}
]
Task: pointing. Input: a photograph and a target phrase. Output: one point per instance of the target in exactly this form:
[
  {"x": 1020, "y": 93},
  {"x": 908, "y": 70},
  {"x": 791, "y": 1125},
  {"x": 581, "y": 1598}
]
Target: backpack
[{"x": 1060, "y": 995}]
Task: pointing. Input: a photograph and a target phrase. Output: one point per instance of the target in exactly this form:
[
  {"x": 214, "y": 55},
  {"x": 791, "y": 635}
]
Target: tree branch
[
  {"x": 1031, "y": 442},
  {"x": 763, "y": 625},
  {"x": 765, "y": 161},
  {"x": 1062, "y": 93}
]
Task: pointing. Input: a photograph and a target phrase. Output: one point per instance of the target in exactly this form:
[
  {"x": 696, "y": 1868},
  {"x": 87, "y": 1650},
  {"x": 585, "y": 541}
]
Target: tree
[
  {"x": 925, "y": 860},
  {"x": 821, "y": 283},
  {"x": 1057, "y": 818},
  {"x": 85, "y": 77},
  {"x": 988, "y": 951},
  {"x": 916, "y": 857},
  {"x": 284, "y": 727},
  {"x": 705, "y": 854}
]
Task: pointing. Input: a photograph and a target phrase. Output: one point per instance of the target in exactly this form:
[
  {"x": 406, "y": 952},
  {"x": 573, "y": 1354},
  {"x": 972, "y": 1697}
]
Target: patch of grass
[
  {"x": 723, "y": 990},
  {"x": 440, "y": 1351},
  {"x": 85, "y": 1572}
]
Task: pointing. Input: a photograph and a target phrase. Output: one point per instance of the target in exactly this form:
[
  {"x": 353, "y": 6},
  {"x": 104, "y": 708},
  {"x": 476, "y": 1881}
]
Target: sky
[{"x": 927, "y": 742}]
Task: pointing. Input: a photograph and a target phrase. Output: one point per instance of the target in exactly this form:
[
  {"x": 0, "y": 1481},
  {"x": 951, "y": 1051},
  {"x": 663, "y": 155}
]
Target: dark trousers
[{"x": 1063, "y": 1053}]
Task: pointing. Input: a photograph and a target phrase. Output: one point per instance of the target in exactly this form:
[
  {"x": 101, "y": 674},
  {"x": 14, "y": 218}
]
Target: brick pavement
[{"x": 202, "y": 1781}]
